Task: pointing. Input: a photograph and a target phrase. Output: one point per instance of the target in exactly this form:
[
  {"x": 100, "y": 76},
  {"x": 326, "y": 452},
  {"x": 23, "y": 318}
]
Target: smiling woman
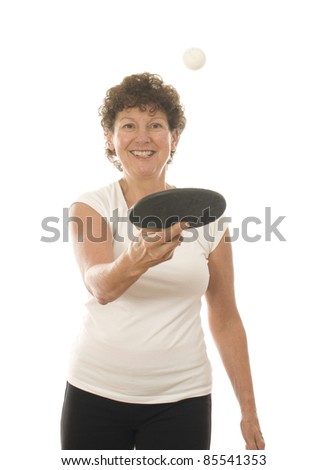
[
  {"x": 139, "y": 375},
  {"x": 143, "y": 141},
  {"x": 142, "y": 91}
]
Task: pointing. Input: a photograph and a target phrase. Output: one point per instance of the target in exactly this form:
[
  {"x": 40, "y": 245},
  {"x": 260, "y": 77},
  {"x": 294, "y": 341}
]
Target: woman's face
[{"x": 142, "y": 141}]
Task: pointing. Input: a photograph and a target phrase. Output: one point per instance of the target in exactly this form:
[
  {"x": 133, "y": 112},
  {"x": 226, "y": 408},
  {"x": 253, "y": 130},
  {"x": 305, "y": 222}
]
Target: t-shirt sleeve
[
  {"x": 95, "y": 200},
  {"x": 210, "y": 235},
  {"x": 217, "y": 231}
]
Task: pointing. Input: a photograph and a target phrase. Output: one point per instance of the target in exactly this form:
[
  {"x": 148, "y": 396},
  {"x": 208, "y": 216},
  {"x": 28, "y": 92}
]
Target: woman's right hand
[
  {"x": 105, "y": 277},
  {"x": 154, "y": 246}
]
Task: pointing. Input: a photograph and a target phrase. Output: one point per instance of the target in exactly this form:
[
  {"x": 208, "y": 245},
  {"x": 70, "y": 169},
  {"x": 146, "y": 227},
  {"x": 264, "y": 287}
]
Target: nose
[{"x": 142, "y": 134}]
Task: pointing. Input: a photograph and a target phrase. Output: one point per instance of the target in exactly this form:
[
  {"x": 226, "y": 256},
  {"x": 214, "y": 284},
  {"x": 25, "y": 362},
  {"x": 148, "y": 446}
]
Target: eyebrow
[
  {"x": 130, "y": 118},
  {"x": 150, "y": 117}
]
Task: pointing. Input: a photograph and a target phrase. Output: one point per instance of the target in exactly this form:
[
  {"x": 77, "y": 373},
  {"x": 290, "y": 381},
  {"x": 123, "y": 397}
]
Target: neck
[{"x": 134, "y": 190}]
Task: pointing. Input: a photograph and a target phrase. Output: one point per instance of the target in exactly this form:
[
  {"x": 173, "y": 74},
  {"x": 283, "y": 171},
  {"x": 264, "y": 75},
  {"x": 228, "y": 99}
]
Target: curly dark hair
[{"x": 141, "y": 90}]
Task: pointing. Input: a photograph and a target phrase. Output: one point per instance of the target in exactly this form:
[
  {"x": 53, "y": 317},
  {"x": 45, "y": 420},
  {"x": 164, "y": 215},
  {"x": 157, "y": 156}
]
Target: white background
[{"x": 257, "y": 133}]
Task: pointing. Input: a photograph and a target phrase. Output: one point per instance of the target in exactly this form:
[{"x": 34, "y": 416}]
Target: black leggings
[{"x": 91, "y": 422}]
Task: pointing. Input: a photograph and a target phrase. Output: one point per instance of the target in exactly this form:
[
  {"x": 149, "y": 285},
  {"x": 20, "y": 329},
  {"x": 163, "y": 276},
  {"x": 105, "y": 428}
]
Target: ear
[
  {"x": 109, "y": 139},
  {"x": 175, "y": 140}
]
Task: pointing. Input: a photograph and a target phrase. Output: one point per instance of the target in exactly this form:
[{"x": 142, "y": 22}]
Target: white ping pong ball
[{"x": 194, "y": 58}]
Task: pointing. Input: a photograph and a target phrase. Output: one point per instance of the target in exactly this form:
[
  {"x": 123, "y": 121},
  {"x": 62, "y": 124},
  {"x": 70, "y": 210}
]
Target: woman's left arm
[{"x": 230, "y": 338}]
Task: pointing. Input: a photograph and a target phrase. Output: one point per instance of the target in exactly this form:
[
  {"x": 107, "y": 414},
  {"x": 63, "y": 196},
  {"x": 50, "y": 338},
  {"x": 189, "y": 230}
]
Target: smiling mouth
[{"x": 143, "y": 153}]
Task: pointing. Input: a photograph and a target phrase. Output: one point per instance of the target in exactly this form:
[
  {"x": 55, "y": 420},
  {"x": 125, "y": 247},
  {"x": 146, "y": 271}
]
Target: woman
[{"x": 139, "y": 376}]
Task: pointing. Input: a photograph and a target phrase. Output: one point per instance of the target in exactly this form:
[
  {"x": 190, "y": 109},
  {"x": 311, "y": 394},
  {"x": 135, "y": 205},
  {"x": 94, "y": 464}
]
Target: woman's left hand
[{"x": 251, "y": 432}]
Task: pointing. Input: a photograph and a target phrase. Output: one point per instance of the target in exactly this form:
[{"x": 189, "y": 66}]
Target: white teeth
[{"x": 142, "y": 153}]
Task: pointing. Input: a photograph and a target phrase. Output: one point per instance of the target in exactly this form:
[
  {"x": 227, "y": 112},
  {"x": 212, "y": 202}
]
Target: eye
[
  {"x": 128, "y": 125},
  {"x": 156, "y": 125}
]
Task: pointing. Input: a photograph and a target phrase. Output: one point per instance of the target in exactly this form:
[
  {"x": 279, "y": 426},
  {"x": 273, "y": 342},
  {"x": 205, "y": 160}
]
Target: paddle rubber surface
[{"x": 162, "y": 209}]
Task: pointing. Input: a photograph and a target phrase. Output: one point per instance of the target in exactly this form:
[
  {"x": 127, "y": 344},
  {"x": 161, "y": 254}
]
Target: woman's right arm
[{"x": 107, "y": 278}]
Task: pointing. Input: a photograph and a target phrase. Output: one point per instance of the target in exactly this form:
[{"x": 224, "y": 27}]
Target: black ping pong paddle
[{"x": 160, "y": 210}]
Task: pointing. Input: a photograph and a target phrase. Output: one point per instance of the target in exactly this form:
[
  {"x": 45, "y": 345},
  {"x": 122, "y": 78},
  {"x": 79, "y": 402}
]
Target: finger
[
  {"x": 175, "y": 230},
  {"x": 255, "y": 443},
  {"x": 260, "y": 441},
  {"x": 151, "y": 238},
  {"x": 251, "y": 445},
  {"x": 249, "y": 438},
  {"x": 151, "y": 235}
]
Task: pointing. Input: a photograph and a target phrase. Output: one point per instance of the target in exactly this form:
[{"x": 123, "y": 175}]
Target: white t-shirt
[{"x": 148, "y": 345}]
